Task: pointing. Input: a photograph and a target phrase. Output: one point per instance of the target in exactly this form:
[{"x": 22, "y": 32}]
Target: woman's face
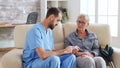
[{"x": 81, "y": 24}]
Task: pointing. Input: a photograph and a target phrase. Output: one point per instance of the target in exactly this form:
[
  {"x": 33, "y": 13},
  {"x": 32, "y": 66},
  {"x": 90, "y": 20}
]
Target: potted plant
[{"x": 65, "y": 16}]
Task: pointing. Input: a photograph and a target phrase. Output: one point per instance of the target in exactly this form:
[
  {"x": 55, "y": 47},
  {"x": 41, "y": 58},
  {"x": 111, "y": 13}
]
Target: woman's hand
[
  {"x": 75, "y": 49},
  {"x": 83, "y": 54},
  {"x": 88, "y": 54}
]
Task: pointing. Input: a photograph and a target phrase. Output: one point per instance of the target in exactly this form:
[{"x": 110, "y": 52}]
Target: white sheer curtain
[{"x": 102, "y": 12}]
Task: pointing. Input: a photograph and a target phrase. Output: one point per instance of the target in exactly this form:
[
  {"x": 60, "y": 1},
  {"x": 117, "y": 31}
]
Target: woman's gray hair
[{"x": 84, "y": 16}]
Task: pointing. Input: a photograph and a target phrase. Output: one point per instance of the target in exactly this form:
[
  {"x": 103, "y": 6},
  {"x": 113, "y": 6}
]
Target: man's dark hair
[{"x": 54, "y": 11}]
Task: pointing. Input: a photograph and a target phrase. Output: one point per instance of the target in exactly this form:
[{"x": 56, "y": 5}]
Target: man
[
  {"x": 87, "y": 56},
  {"x": 39, "y": 49}
]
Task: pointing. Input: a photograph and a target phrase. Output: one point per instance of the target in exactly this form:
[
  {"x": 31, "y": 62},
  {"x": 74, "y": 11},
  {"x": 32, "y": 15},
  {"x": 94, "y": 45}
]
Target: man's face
[{"x": 55, "y": 21}]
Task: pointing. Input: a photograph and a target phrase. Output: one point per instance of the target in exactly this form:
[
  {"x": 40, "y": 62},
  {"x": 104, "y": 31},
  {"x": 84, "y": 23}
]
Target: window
[{"x": 103, "y": 12}]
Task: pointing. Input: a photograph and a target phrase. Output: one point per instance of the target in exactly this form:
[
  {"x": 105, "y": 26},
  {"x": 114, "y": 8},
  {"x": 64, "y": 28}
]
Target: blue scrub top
[{"x": 36, "y": 37}]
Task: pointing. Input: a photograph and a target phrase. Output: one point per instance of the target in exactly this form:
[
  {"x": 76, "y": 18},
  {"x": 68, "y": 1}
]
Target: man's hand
[{"x": 68, "y": 49}]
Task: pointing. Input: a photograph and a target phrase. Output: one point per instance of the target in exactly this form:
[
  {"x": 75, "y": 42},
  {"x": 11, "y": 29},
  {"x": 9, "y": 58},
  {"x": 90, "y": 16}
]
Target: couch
[{"x": 12, "y": 59}]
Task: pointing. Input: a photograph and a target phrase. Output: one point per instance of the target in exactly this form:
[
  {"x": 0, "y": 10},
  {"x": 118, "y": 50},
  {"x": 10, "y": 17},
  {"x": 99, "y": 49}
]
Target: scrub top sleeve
[{"x": 37, "y": 39}]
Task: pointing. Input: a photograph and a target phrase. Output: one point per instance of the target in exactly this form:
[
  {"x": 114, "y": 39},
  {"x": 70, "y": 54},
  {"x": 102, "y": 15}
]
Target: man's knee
[
  {"x": 55, "y": 59},
  {"x": 72, "y": 57}
]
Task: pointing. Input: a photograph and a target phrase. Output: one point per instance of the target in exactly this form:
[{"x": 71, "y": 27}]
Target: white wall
[
  {"x": 43, "y": 8},
  {"x": 73, "y": 9},
  {"x": 116, "y": 40}
]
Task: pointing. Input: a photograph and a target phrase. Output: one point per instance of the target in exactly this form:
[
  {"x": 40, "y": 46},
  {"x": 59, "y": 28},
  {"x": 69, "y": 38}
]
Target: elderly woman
[{"x": 87, "y": 55}]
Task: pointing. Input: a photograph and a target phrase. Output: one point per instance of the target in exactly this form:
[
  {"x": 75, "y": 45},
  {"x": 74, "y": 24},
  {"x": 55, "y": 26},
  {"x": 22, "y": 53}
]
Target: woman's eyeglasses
[{"x": 81, "y": 22}]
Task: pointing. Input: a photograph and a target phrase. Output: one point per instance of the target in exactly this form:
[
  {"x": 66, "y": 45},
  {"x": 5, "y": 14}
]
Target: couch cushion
[
  {"x": 101, "y": 30},
  {"x": 103, "y": 33},
  {"x": 58, "y": 37},
  {"x": 12, "y": 59},
  {"x": 20, "y": 33}
]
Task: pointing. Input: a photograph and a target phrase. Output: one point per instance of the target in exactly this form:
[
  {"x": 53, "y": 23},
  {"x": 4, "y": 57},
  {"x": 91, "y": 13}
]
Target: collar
[{"x": 76, "y": 32}]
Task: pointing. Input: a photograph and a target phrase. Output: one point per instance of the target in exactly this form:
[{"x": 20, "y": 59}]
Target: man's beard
[{"x": 51, "y": 26}]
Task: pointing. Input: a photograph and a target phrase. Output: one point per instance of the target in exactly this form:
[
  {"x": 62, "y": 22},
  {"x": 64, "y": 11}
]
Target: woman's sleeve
[
  {"x": 95, "y": 48},
  {"x": 67, "y": 42}
]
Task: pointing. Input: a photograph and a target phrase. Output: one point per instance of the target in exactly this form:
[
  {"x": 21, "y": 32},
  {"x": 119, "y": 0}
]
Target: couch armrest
[
  {"x": 12, "y": 59},
  {"x": 116, "y": 57}
]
